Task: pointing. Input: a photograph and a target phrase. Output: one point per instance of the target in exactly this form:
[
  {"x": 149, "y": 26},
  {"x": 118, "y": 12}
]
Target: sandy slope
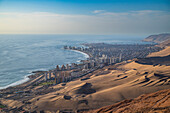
[
  {"x": 164, "y": 52},
  {"x": 147, "y": 103},
  {"x": 158, "y": 38},
  {"x": 103, "y": 87},
  {"x": 165, "y": 43}
]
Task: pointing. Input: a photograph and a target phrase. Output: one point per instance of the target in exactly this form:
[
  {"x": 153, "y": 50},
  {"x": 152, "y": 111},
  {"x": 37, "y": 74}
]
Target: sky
[{"x": 138, "y": 17}]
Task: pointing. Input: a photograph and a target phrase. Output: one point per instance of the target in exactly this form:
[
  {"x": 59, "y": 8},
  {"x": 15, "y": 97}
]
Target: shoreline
[
  {"x": 19, "y": 82},
  {"x": 84, "y": 53},
  {"x": 28, "y": 78},
  {"x": 33, "y": 76},
  {"x": 91, "y": 84}
]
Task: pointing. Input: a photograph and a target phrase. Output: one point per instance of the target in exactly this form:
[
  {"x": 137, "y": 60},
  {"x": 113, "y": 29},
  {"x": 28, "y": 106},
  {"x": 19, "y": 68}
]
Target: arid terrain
[
  {"x": 103, "y": 87},
  {"x": 157, "y": 102},
  {"x": 107, "y": 86},
  {"x": 160, "y": 38}
]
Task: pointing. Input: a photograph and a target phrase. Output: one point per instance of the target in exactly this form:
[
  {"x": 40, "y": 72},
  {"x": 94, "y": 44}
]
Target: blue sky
[
  {"x": 82, "y": 6},
  {"x": 88, "y": 11}
]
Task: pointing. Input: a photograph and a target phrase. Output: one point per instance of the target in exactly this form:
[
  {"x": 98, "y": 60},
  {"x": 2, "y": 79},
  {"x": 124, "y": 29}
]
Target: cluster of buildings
[
  {"x": 120, "y": 52},
  {"x": 101, "y": 54},
  {"x": 66, "y": 73},
  {"x": 59, "y": 77},
  {"x": 104, "y": 59}
]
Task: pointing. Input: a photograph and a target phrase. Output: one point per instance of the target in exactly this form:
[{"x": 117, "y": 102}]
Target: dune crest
[
  {"x": 106, "y": 86},
  {"x": 164, "y": 52},
  {"x": 150, "y": 103}
]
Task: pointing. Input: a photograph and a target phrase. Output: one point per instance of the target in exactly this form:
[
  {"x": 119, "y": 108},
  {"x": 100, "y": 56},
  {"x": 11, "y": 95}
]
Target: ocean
[{"x": 22, "y": 54}]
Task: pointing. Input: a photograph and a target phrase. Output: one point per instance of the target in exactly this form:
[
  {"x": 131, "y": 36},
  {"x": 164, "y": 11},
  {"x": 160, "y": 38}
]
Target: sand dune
[
  {"x": 147, "y": 103},
  {"x": 164, "y": 52},
  {"x": 134, "y": 80},
  {"x": 116, "y": 83}
]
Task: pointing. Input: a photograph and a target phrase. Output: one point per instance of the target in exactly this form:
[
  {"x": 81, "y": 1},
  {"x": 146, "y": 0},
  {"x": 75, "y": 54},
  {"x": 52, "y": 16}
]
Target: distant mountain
[{"x": 158, "y": 38}]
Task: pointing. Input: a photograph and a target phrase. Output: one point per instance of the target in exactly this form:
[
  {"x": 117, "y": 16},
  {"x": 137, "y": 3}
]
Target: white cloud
[
  {"x": 133, "y": 22},
  {"x": 98, "y": 11},
  {"x": 147, "y": 11}
]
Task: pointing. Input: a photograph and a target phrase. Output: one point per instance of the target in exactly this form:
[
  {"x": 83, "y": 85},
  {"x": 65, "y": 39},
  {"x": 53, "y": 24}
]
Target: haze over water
[{"x": 22, "y": 54}]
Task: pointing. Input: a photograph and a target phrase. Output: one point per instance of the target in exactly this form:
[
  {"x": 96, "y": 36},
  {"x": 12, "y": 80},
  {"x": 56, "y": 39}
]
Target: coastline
[
  {"x": 19, "y": 82},
  {"x": 32, "y": 76},
  {"x": 87, "y": 55},
  {"x": 116, "y": 83},
  {"x": 64, "y": 92}
]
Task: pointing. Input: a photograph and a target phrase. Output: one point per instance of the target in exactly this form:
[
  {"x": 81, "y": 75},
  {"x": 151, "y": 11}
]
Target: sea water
[{"x": 22, "y": 54}]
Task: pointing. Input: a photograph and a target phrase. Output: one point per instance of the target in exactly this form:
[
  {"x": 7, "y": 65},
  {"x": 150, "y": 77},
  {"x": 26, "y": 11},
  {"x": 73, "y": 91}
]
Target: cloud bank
[{"x": 99, "y": 22}]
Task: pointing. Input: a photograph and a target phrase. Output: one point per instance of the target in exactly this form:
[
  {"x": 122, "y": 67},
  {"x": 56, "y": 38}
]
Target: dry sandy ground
[
  {"x": 158, "y": 102},
  {"x": 103, "y": 87},
  {"x": 164, "y": 52},
  {"x": 100, "y": 90}
]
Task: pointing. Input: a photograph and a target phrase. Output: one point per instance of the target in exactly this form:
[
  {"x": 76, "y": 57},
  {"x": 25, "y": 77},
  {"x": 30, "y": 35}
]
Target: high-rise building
[
  {"x": 46, "y": 76},
  {"x": 55, "y": 80},
  {"x": 55, "y": 74},
  {"x": 49, "y": 75},
  {"x": 73, "y": 65},
  {"x": 120, "y": 57},
  {"x": 93, "y": 64},
  {"x": 58, "y": 76},
  {"x": 67, "y": 67},
  {"x": 63, "y": 67},
  {"x": 57, "y": 68}
]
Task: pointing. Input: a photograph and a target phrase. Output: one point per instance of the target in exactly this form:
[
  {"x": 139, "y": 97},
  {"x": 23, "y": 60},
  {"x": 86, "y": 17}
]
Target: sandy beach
[{"x": 84, "y": 53}]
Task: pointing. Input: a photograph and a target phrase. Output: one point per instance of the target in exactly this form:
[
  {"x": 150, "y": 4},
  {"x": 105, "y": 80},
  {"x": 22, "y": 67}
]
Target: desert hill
[
  {"x": 164, "y": 44},
  {"x": 109, "y": 85},
  {"x": 151, "y": 103},
  {"x": 158, "y": 38},
  {"x": 155, "y": 60},
  {"x": 106, "y": 86},
  {"x": 166, "y": 49},
  {"x": 164, "y": 52},
  {"x": 157, "y": 102}
]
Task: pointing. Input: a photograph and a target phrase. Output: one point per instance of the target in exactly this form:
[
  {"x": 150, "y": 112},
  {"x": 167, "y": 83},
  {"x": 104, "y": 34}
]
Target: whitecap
[
  {"x": 85, "y": 54},
  {"x": 17, "y": 82}
]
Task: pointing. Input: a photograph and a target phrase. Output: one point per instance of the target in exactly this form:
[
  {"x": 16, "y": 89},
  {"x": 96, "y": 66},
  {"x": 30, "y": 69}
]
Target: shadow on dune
[{"x": 154, "y": 60}]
